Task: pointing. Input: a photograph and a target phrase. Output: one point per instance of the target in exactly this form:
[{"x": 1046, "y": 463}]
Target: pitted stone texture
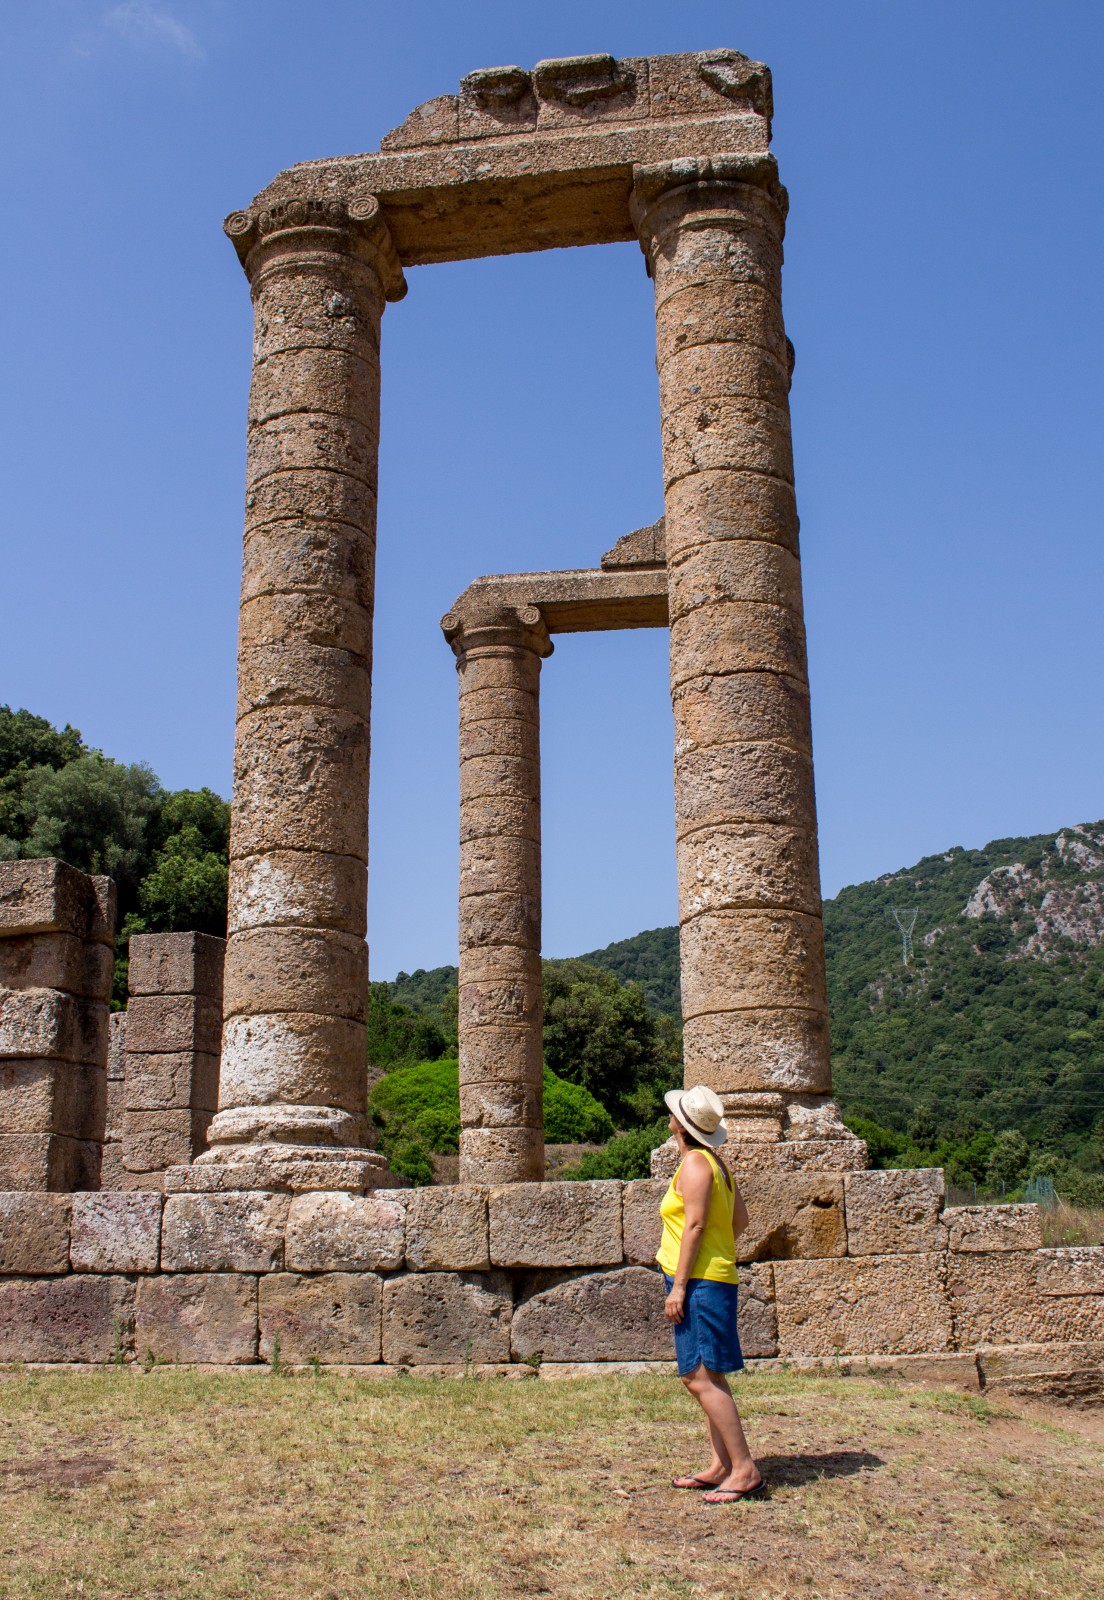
[
  {"x": 48, "y": 896},
  {"x": 1009, "y": 1361},
  {"x": 750, "y": 864},
  {"x": 331, "y": 1317},
  {"x": 641, "y": 1224},
  {"x": 293, "y": 1059},
  {"x": 598, "y": 1316},
  {"x": 446, "y": 1316},
  {"x": 499, "y": 1155},
  {"x": 287, "y": 1168},
  {"x": 115, "y": 1232},
  {"x": 783, "y": 1155},
  {"x": 974, "y": 1229},
  {"x": 762, "y": 1048},
  {"x": 757, "y": 1315},
  {"x": 297, "y": 969},
  {"x": 295, "y": 888},
  {"x": 741, "y": 706},
  {"x": 40, "y": 1096},
  {"x": 197, "y": 1317},
  {"x": 57, "y": 961},
  {"x": 224, "y": 1232},
  {"x": 34, "y": 1233},
  {"x": 74, "y": 1318},
  {"x": 792, "y": 1216},
  {"x": 176, "y": 963},
  {"x": 865, "y": 1305},
  {"x": 179, "y": 1081},
  {"x": 1075, "y": 1269},
  {"x": 48, "y": 1161},
  {"x": 556, "y": 1224},
  {"x": 154, "y": 1140},
  {"x": 337, "y": 1232},
  {"x": 742, "y": 959},
  {"x": 894, "y": 1212},
  {"x": 446, "y": 1228},
  {"x": 996, "y": 1298},
  {"x": 159, "y": 1023},
  {"x": 46, "y": 1022}
]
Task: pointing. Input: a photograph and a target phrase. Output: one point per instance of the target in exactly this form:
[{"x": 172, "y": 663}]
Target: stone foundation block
[
  {"x": 34, "y": 1233},
  {"x": 207, "y": 1316},
  {"x": 48, "y": 896},
  {"x": 45, "y": 1022},
  {"x": 886, "y": 1305},
  {"x": 158, "y": 1024},
  {"x": 985, "y": 1228},
  {"x": 65, "y": 1319},
  {"x": 446, "y": 1228},
  {"x": 757, "y": 1315},
  {"x": 224, "y": 1232},
  {"x": 339, "y": 1232},
  {"x": 996, "y": 1362},
  {"x": 996, "y": 1299},
  {"x": 641, "y": 1227},
  {"x": 444, "y": 1316},
  {"x": 57, "y": 961},
  {"x": 43, "y": 1097},
  {"x": 556, "y": 1224},
  {"x": 154, "y": 1140},
  {"x": 596, "y": 1316},
  {"x": 178, "y": 1081},
  {"x": 1076, "y": 1269},
  {"x": 333, "y": 1317},
  {"x": 894, "y": 1212},
  {"x": 113, "y": 1175},
  {"x": 176, "y": 963},
  {"x": 792, "y": 1216},
  {"x": 116, "y": 1232},
  {"x": 48, "y": 1161}
]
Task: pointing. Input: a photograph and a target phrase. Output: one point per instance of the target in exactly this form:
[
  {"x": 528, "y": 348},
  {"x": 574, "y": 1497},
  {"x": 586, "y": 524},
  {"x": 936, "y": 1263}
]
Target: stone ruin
[{"x": 195, "y": 1179}]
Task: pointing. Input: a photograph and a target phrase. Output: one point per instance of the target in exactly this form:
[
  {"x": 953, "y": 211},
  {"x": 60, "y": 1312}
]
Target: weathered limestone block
[
  {"x": 892, "y": 1305},
  {"x": 1076, "y": 1269},
  {"x": 179, "y": 1081},
  {"x": 743, "y": 706},
  {"x": 749, "y": 864},
  {"x": 40, "y": 1096},
  {"x": 160, "y": 1023},
  {"x": 176, "y": 963},
  {"x": 46, "y": 1022},
  {"x": 332, "y": 1317},
  {"x": 274, "y": 1056},
  {"x": 446, "y": 1228},
  {"x": 295, "y": 888},
  {"x": 286, "y": 1169},
  {"x": 47, "y": 896},
  {"x": 224, "y": 1232},
  {"x": 74, "y": 1318},
  {"x": 762, "y": 1048},
  {"x": 1004, "y": 1362},
  {"x": 757, "y": 1315},
  {"x": 445, "y": 1316},
  {"x": 116, "y": 1232},
  {"x": 556, "y": 1224},
  {"x": 754, "y": 782},
  {"x": 996, "y": 1299},
  {"x": 641, "y": 1227},
  {"x": 893, "y": 1212},
  {"x": 729, "y": 504},
  {"x": 598, "y": 1316},
  {"x": 154, "y": 1140},
  {"x": 285, "y": 969},
  {"x": 498, "y": 1155},
  {"x": 34, "y": 1233},
  {"x": 338, "y": 1232},
  {"x": 48, "y": 1161},
  {"x": 792, "y": 1216},
  {"x": 983, "y": 1228},
  {"x": 209, "y": 1316},
  {"x": 57, "y": 961},
  {"x": 752, "y": 958}
]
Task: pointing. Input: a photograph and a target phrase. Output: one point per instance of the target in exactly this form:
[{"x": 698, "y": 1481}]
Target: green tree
[
  {"x": 396, "y": 1034},
  {"x": 600, "y": 1033},
  {"x": 1009, "y": 1158}
]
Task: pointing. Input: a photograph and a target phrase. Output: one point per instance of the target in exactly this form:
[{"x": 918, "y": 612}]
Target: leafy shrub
[{"x": 627, "y": 1155}]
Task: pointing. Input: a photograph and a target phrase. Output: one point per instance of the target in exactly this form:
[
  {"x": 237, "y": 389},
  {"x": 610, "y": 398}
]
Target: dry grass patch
[
  {"x": 1063, "y": 1224},
  {"x": 183, "y": 1486}
]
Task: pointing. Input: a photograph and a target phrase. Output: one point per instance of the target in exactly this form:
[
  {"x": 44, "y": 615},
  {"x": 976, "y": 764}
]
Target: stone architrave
[
  {"x": 321, "y": 267},
  {"x": 499, "y": 649},
  {"x": 753, "y": 978}
]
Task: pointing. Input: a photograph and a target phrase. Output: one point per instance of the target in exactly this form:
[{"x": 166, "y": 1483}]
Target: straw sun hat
[{"x": 700, "y": 1112}]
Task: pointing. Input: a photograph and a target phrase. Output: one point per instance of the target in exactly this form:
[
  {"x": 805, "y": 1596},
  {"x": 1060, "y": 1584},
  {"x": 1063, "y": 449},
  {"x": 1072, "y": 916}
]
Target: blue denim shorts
[{"x": 707, "y": 1335}]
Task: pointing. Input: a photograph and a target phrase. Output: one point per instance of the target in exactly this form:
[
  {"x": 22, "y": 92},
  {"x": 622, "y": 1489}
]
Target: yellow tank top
[{"x": 716, "y": 1257}]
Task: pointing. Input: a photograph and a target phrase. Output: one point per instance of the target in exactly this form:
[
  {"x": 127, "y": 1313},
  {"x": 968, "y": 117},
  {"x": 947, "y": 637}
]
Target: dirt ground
[{"x": 187, "y": 1486}]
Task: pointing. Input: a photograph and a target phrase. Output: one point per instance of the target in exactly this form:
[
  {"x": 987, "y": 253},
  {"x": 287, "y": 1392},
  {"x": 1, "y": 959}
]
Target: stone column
[
  {"x": 499, "y": 651},
  {"x": 293, "y": 1053},
  {"x": 753, "y": 982}
]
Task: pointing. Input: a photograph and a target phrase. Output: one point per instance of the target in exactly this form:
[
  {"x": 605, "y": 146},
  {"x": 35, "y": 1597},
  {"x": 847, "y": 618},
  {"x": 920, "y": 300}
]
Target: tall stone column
[
  {"x": 499, "y": 651},
  {"x": 753, "y": 981},
  {"x": 293, "y": 1068}
]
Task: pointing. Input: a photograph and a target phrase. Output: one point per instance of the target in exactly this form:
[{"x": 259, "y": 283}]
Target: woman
[{"x": 702, "y": 1213}]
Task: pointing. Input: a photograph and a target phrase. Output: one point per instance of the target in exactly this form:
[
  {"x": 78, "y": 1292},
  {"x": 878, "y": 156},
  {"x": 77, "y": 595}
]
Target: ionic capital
[
  {"x": 699, "y": 193},
  {"x": 494, "y": 626},
  {"x": 306, "y": 226}
]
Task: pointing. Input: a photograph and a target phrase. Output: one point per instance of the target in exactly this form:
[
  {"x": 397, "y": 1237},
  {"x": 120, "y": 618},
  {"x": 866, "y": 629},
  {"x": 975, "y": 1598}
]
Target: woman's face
[{"x": 674, "y": 1125}]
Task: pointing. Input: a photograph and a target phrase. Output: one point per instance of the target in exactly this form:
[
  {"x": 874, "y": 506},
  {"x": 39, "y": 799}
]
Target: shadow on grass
[{"x": 794, "y": 1470}]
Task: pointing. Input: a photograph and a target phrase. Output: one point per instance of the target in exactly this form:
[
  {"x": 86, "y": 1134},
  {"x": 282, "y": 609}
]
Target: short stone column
[
  {"x": 499, "y": 651},
  {"x": 293, "y": 1049},
  {"x": 753, "y": 980},
  {"x": 57, "y": 956}
]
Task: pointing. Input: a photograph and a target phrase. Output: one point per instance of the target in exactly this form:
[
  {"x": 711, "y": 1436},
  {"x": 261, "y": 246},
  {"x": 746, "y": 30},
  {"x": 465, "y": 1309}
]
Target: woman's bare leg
[
  {"x": 719, "y": 1466},
  {"x": 730, "y": 1447}
]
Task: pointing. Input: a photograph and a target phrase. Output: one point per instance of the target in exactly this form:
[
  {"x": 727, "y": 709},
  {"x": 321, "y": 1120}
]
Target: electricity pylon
[{"x": 906, "y": 921}]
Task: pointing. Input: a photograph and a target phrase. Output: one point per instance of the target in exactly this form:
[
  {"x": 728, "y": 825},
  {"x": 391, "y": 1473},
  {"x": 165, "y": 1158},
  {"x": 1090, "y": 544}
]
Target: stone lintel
[
  {"x": 643, "y": 547},
  {"x": 586, "y": 601},
  {"x": 542, "y": 160}
]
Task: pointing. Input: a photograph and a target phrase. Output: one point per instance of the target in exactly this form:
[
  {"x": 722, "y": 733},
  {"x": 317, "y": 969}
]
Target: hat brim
[{"x": 673, "y": 1101}]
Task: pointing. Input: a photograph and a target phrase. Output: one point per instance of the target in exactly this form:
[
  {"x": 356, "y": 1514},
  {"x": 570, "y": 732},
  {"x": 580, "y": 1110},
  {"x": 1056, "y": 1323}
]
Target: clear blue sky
[{"x": 943, "y": 290}]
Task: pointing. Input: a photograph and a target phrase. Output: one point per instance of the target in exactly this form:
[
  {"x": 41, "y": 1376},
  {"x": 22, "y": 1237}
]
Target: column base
[
  {"x": 770, "y": 1132},
  {"x": 283, "y": 1167},
  {"x": 324, "y": 1127}
]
